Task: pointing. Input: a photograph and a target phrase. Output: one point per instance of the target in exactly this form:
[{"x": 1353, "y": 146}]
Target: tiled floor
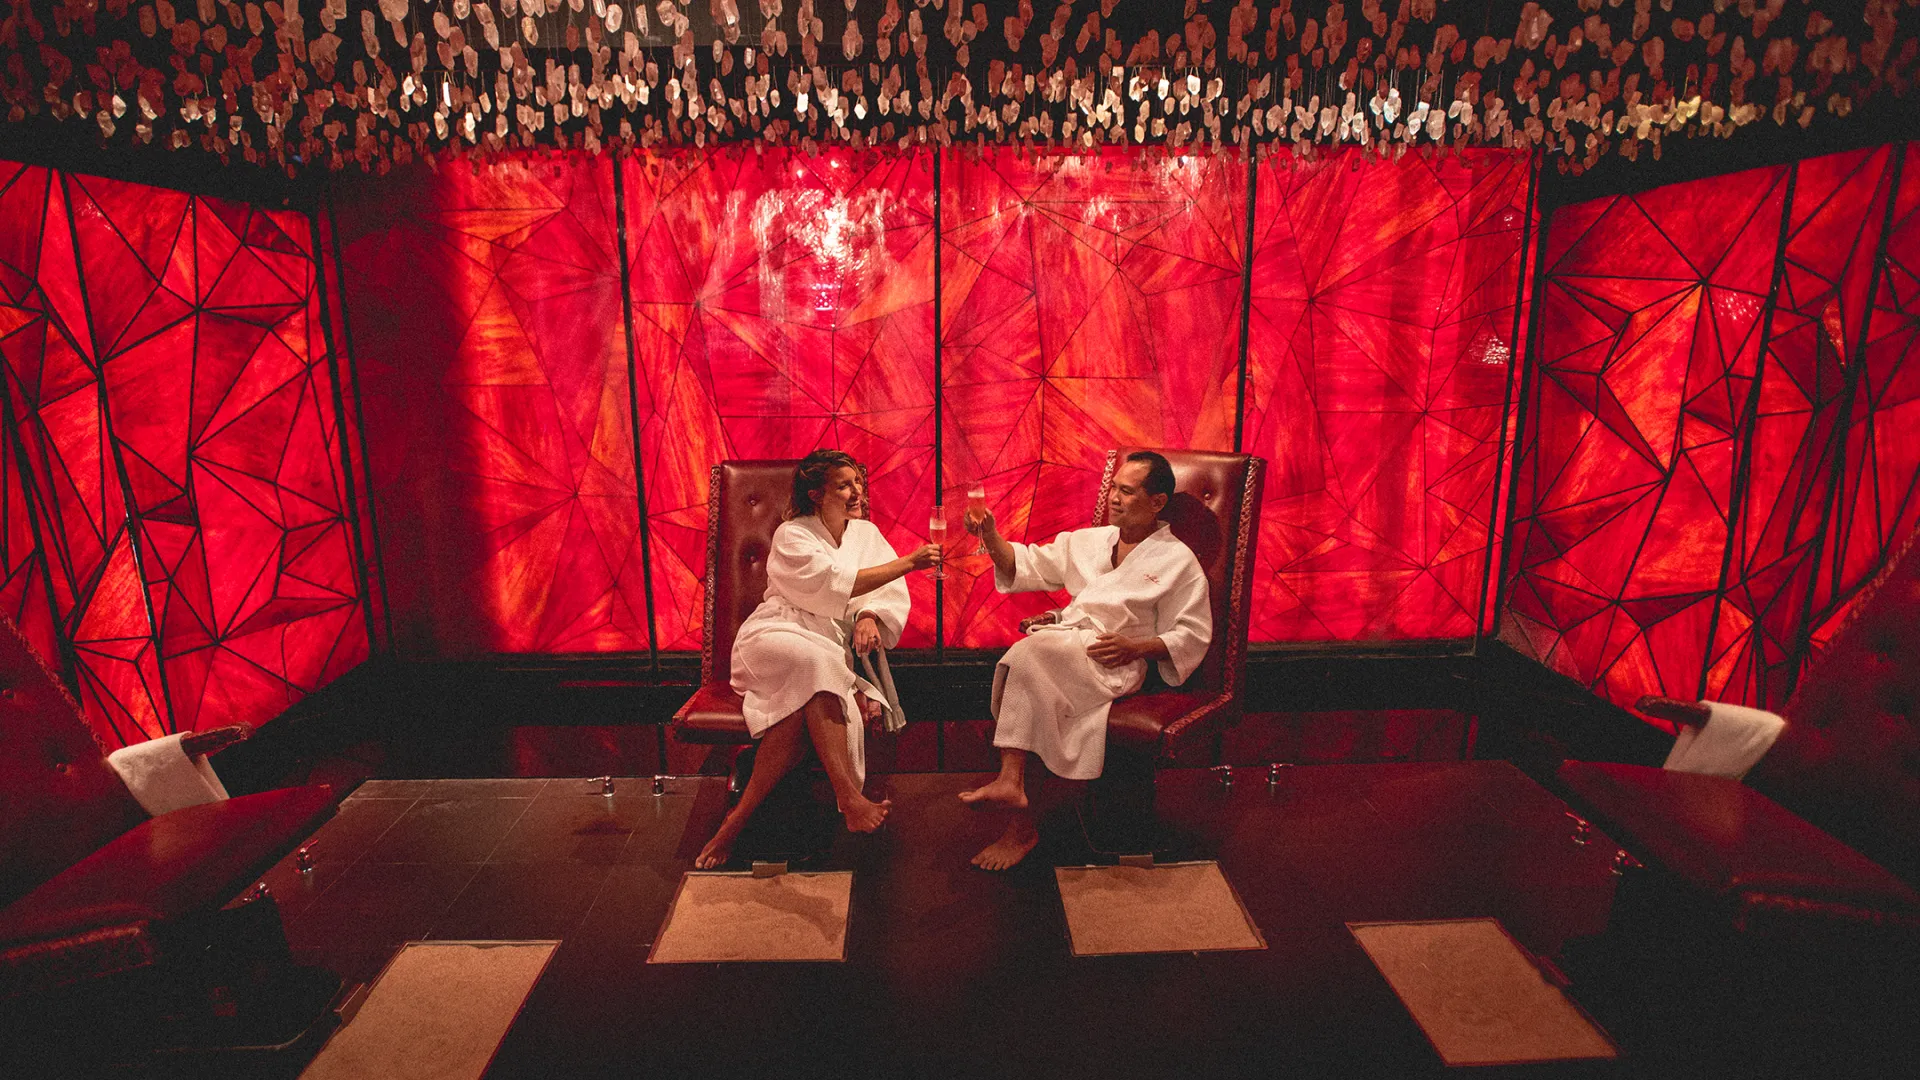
[{"x": 952, "y": 971}]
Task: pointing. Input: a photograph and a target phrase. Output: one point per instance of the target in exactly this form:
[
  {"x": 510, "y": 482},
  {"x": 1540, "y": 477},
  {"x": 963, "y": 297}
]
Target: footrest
[{"x": 1769, "y": 867}]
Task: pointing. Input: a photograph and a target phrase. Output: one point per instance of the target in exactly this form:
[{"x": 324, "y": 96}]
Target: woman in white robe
[
  {"x": 1139, "y": 595},
  {"x": 833, "y": 585}
]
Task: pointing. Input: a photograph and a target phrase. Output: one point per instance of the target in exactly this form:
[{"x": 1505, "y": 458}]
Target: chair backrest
[
  {"x": 59, "y": 801},
  {"x": 746, "y": 502},
  {"x": 1863, "y": 695},
  {"x": 1215, "y": 511}
]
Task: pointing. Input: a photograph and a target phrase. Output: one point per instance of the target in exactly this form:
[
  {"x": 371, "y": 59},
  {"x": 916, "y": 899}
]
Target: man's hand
[
  {"x": 982, "y": 528},
  {"x": 866, "y": 634},
  {"x": 1113, "y": 650},
  {"x": 212, "y": 742},
  {"x": 1690, "y": 713},
  {"x": 1045, "y": 618}
]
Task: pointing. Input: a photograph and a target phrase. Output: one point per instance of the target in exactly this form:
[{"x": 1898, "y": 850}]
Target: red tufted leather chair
[
  {"x": 95, "y": 897},
  {"x": 1215, "y": 511},
  {"x": 746, "y": 502},
  {"x": 1847, "y": 762}
]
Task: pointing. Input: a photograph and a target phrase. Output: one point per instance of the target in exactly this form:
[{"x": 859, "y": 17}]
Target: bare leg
[
  {"x": 781, "y": 748},
  {"x": 1009, "y": 789},
  {"x": 826, "y": 723}
]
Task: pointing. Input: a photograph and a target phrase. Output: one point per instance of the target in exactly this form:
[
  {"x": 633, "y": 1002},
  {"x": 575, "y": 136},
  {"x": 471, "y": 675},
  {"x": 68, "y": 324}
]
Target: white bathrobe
[
  {"x": 1049, "y": 696},
  {"x": 796, "y": 643}
]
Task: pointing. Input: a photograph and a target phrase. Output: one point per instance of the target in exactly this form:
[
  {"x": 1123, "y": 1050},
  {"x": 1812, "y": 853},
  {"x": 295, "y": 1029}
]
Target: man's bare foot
[
  {"x": 716, "y": 853},
  {"x": 1001, "y": 792},
  {"x": 1006, "y": 852},
  {"x": 865, "y": 815}
]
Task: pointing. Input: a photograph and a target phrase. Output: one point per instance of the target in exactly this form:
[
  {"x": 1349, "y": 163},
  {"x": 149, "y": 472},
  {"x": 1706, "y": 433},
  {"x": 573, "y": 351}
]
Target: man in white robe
[{"x": 1139, "y": 595}]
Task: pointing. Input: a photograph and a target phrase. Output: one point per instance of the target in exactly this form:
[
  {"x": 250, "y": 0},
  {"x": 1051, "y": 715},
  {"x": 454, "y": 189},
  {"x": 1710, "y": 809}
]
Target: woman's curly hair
[{"x": 811, "y": 475}]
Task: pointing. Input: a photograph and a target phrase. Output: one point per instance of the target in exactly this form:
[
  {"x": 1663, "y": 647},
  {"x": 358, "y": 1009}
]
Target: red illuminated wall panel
[
  {"x": 485, "y": 313},
  {"x": 1649, "y": 335},
  {"x": 781, "y": 302},
  {"x": 1876, "y": 509},
  {"x": 1833, "y": 234},
  {"x": 24, "y": 596},
  {"x": 1087, "y": 302},
  {"x": 191, "y": 507},
  {"x": 1379, "y": 348}
]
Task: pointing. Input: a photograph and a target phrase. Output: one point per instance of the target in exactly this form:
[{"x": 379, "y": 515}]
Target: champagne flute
[
  {"x": 977, "y": 509},
  {"x": 937, "y": 535}
]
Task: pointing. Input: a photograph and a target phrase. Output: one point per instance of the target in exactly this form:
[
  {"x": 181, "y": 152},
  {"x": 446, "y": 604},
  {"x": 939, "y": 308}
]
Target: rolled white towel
[
  {"x": 1731, "y": 742},
  {"x": 163, "y": 778},
  {"x": 882, "y": 678}
]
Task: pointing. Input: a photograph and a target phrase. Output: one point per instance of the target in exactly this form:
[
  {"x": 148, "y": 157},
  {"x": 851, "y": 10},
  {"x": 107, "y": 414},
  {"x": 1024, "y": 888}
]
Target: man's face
[{"x": 1129, "y": 504}]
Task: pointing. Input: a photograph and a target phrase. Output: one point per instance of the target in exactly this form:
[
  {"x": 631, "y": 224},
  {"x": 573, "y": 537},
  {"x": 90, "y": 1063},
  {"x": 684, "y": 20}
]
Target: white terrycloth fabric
[
  {"x": 1731, "y": 742},
  {"x": 795, "y": 644},
  {"x": 1049, "y": 696},
  {"x": 163, "y": 778}
]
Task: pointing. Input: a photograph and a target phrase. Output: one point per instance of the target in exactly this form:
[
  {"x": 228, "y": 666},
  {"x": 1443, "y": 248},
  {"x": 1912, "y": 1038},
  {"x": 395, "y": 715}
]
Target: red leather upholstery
[
  {"x": 90, "y": 886},
  {"x": 58, "y": 799},
  {"x": 1214, "y": 511},
  {"x": 1849, "y": 760},
  {"x": 746, "y": 502},
  {"x": 1731, "y": 842},
  {"x": 165, "y": 868}
]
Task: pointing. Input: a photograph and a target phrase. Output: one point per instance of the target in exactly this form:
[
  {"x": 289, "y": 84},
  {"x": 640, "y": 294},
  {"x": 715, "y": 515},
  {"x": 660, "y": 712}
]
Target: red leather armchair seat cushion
[
  {"x": 712, "y": 717},
  {"x": 1735, "y": 844},
  {"x": 176, "y": 865}
]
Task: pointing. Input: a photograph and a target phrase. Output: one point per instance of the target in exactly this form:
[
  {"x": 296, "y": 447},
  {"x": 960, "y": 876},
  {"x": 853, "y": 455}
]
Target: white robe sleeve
[
  {"x": 812, "y": 576},
  {"x": 1183, "y": 621},
  {"x": 1036, "y": 567},
  {"x": 889, "y": 603}
]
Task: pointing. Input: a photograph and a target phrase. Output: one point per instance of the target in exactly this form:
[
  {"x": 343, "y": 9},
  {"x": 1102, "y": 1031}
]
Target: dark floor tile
[
  {"x": 661, "y": 828},
  {"x": 493, "y": 787},
  {"x": 572, "y": 828},
  {"x": 521, "y": 902},
  {"x": 631, "y": 907},
  {"x": 379, "y": 904},
  {"x": 392, "y": 789},
  {"x": 356, "y": 826},
  {"x": 448, "y": 830}
]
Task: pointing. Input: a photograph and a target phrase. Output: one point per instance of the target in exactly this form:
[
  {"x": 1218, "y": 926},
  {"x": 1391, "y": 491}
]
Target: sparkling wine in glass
[
  {"x": 937, "y": 535},
  {"x": 977, "y": 508}
]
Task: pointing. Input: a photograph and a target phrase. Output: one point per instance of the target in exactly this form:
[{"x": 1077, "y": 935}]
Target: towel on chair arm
[
  {"x": 1731, "y": 742},
  {"x": 163, "y": 778}
]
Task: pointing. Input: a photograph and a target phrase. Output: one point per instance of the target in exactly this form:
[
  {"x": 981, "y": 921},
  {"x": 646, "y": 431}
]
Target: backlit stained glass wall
[
  {"x": 778, "y": 301},
  {"x": 546, "y": 355},
  {"x": 1720, "y": 446},
  {"x": 177, "y": 534}
]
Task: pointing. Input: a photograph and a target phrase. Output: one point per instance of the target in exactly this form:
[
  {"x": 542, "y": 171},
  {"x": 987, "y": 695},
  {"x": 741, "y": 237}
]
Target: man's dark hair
[
  {"x": 811, "y": 475},
  {"x": 1159, "y": 473}
]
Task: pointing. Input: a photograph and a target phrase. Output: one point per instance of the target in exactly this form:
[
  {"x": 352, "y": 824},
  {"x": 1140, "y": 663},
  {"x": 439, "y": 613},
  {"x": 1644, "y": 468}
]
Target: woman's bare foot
[
  {"x": 1013, "y": 845},
  {"x": 1001, "y": 792},
  {"x": 716, "y": 853},
  {"x": 865, "y": 815}
]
